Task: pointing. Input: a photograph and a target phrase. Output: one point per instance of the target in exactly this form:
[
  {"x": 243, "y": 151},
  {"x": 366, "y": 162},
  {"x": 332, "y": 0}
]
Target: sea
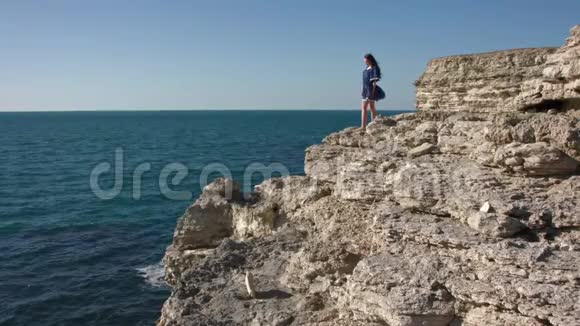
[{"x": 89, "y": 200}]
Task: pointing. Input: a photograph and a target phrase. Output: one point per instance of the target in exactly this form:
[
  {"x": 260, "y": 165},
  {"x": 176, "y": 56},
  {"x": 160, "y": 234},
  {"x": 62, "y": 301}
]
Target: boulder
[
  {"x": 537, "y": 159},
  {"x": 495, "y": 225},
  {"x": 423, "y": 149}
]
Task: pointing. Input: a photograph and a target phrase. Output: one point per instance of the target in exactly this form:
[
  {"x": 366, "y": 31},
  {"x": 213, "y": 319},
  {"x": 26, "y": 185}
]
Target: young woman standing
[{"x": 371, "y": 92}]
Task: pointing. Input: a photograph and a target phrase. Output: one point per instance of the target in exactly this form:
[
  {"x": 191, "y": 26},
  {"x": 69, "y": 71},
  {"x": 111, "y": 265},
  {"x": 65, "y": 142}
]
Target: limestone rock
[
  {"x": 401, "y": 292},
  {"x": 558, "y": 84},
  {"x": 479, "y": 83},
  {"x": 522, "y": 79},
  {"x": 422, "y": 149},
  {"x": 492, "y": 317},
  {"x": 486, "y": 208},
  {"x": 535, "y": 159},
  {"x": 495, "y": 225},
  {"x": 378, "y": 232}
]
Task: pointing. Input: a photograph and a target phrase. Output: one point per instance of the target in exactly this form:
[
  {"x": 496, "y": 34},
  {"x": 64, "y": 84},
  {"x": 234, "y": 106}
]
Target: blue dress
[{"x": 369, "y": 76}]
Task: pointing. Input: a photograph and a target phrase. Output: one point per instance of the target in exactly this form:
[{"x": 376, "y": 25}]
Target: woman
[{"x": 371, "y": 92}]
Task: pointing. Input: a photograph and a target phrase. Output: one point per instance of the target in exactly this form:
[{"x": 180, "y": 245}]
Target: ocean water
[{"x": 70, "y": 257}]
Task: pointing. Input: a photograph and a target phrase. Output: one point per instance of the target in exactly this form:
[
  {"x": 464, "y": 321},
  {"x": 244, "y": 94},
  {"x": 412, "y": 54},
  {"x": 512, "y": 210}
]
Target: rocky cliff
[
  {"x": 464, "y": 213},
  {"x": 512, "y": 80}
]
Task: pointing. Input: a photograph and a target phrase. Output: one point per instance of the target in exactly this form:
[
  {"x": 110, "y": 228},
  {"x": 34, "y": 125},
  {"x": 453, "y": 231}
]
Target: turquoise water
[{"x": 70, "y": 258}]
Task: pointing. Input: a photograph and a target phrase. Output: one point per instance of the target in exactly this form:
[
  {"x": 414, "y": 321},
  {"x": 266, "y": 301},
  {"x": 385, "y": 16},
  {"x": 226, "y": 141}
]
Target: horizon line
[{"x": 187, "y": 109}]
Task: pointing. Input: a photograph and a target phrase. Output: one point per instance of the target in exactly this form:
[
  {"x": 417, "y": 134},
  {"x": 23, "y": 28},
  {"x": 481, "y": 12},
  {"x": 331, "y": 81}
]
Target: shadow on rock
[{"x": 273, "y": 294}]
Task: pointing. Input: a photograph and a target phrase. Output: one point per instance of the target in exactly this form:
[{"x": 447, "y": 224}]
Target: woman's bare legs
[
  {"x": 363, "y": 114},
  {"x": 373, "y": 110}
]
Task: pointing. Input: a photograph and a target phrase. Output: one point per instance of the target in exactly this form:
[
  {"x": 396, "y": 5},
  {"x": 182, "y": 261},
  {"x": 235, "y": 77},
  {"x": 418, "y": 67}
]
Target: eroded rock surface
[
  {"x": 521, "y": 79},
  {"x": 464, "y": 215},
  {"x": 479, "y": 82}
]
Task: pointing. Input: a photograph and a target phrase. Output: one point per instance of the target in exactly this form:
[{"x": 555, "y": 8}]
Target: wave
[{"x": 153, "y": 274}]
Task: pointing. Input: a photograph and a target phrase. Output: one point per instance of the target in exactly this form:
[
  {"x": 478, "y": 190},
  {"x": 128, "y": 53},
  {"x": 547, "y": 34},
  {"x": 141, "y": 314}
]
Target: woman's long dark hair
[{"x": 373, "y": 62}]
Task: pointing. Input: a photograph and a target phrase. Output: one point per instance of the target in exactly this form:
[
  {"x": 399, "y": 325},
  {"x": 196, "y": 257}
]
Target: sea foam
[{"x": 153, "y": 274}]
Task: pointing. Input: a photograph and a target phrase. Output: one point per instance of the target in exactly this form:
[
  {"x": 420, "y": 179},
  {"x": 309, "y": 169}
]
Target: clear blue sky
[{"x": 304, "y": 54}]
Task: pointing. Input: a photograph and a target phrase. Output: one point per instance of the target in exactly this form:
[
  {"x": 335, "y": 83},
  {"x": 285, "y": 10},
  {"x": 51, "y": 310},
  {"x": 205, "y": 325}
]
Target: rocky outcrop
[
  {"x": 479, "y": 82},
  {"x": 459, "y": 214},
  {"x": 559, "y": 85},
  {"x": 512, "y": 80}
]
